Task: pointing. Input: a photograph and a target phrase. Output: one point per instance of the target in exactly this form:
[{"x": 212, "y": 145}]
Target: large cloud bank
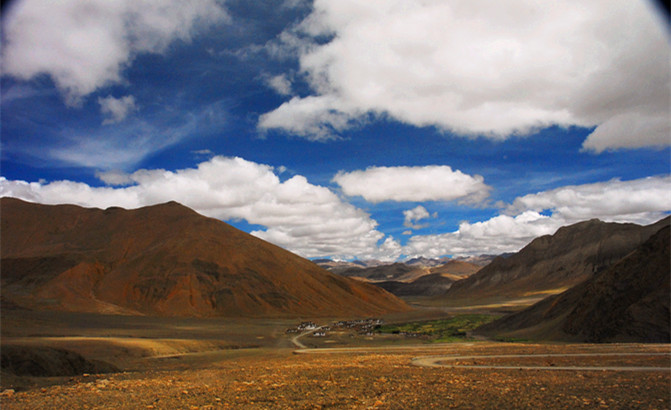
[
  {"x": 641, "y": 201},
  {"x": 86, "y": 44},
  {"x": 476, "y": 67},
  {"x": 304, "y": 218},
  {"x": 313, "y": 221}
]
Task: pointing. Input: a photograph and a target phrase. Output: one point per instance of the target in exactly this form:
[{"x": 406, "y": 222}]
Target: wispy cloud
[
  {"x": 203, "y": 152},
  {"x": 20, "y": 92},
  {"x": 114, "y": 177},
  {"x": 108, "y": 149},
  {"x": 126, "y": 144},
  {"x": 116, "y": 109}
]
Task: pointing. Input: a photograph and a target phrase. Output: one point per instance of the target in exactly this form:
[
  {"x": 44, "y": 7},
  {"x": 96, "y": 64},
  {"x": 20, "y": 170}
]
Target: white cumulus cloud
[
  {"x": 642, "y": 201},
  {"x": 476, "y": 67},
  {"x": 307, "y": 219},
  {"x": 494, "y": 236},
  {"x": 415, "y": 184},
  {"x": 313, "y": 221},
  {"x": 86, "y": 44}
]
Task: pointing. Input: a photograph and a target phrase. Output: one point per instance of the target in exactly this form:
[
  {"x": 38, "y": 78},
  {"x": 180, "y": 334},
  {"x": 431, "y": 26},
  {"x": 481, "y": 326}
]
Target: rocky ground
[{"x": 363, "y": 378}]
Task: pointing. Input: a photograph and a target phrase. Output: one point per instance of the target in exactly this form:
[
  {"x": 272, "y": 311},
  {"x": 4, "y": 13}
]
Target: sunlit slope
[{"x": 164, "y": 260}]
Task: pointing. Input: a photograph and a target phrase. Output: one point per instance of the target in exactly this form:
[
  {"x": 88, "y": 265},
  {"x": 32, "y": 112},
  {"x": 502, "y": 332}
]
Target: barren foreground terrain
[
  {"x": 180, "y": 373},
  {"x": 364, "y": 379}
]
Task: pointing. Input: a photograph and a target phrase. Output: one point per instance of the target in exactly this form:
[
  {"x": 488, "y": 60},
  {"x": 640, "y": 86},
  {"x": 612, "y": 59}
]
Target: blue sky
[{"x": 344, "y": 129}]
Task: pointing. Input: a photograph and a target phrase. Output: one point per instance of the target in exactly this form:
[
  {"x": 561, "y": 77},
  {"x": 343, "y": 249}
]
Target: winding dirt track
[
  {"x": 440, "y": 361},
  {"x": 296, "y": 342},
  {"x": 444, "y": 360}
]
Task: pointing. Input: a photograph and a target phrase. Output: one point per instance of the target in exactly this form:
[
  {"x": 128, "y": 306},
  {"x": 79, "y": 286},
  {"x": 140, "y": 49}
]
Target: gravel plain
[{"x": 367, "y": 378}]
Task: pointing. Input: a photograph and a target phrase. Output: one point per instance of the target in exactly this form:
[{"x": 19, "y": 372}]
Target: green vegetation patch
[
  {"x": 507, "y": 339},
  {"x": 443, "y": 330}
]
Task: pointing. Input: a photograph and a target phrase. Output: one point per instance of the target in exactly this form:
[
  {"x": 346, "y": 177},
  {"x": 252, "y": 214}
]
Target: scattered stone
[
  {"x": 101, "y": 383},
  {"x": 7, "y": 393}
]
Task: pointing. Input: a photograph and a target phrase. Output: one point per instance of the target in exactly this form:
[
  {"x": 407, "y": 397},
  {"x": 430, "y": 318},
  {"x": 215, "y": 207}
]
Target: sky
[{"x": 378, "y": 129}]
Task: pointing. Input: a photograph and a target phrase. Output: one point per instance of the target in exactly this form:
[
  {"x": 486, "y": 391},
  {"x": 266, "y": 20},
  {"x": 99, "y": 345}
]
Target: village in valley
[{"x": 364, "y": 327}]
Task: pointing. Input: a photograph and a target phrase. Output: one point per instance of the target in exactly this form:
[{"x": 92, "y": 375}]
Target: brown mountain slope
[
  {"x": 381, "y": 272},
  {"x": 427, "y": 285},
  {"x": 627, "y": 302},
  {"x": 553, "y": 263},
  {"x": 163, "y": 260}
]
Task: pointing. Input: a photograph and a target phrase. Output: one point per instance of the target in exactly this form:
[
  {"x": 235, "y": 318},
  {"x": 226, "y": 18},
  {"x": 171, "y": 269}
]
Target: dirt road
[
  {"x": 296, "y": 342},
  {"x": 443, "y": 361}
]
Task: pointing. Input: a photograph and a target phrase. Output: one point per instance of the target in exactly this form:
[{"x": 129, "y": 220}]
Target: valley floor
[
  {"x": 371, "y": 378},
  {"x": 252, "y": 364}
]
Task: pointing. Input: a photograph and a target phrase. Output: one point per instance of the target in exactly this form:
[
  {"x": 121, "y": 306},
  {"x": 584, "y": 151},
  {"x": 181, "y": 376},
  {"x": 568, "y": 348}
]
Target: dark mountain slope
[
  {"x": 163, "y": 260},
  {"x": 427, "y": 285},
  {"x": 627, "y": 302},
  {"x": 552, "y": 263},
  {"x": 381, "y": 272}
]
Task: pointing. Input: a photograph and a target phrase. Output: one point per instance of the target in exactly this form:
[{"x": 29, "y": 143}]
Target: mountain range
[
  {"x": 605, "y": 281},
  {"x": 163, "y": 260},
  {"x": 430, "y": 281},
  {"x": 416, "y": 277},
  {"x": 351, "y": 268}
]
